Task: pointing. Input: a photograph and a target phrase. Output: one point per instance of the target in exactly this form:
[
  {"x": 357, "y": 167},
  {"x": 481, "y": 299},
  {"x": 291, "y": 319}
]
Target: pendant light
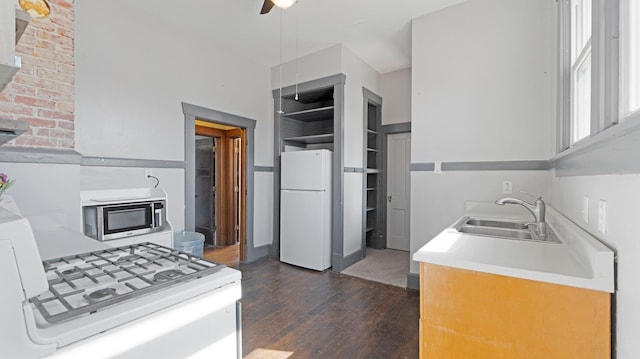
[{"x": 283, "y": 4}]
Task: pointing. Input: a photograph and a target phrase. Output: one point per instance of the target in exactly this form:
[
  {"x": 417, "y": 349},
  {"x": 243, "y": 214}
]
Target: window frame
[
  {"x": 626, "y": 113},
  {"x": 604, "y": 71}
]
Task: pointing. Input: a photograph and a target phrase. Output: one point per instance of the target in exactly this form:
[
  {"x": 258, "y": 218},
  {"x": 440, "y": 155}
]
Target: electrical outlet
[
  {"x": 602, "y": 216},
  {"x": 507, "y": 187},
  {"x": 148, "y": 173},
  {"x": 585, "y": 209}
]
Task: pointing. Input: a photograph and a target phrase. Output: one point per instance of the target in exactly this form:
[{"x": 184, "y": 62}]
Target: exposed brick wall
[{"x": 42, "y": 92}]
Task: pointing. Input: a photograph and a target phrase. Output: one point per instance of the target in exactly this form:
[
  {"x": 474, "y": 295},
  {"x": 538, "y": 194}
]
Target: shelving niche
[
  {"x": 373, "y": 159},
  {"x": 308, "y": 121}
]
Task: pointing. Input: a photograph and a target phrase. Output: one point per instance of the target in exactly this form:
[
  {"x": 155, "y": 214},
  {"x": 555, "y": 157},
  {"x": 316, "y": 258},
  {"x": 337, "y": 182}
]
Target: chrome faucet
[{"x": 537, "y": 210}]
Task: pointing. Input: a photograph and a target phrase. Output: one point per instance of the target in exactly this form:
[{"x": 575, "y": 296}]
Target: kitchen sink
[
  {"x": 496, "y": 224},
  {"x": 501, "y": 228}
]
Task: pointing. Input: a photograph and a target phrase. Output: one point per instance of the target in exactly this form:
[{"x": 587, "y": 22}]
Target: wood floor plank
[{"x": 325, "y": 315}]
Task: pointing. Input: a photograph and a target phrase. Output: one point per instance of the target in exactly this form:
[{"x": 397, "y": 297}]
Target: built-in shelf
[
  {"x": 372, "y": 170},
  {"x": 313, "y": 114},
  {"x": 372, "y": 150},
  {"x": 372, "y": 132},
  {"x": 369, "y": 229},
  {"x": 369, "y": 209},
  {"x": 313, "y": 139},
  {"x": 371, "y": 189}
]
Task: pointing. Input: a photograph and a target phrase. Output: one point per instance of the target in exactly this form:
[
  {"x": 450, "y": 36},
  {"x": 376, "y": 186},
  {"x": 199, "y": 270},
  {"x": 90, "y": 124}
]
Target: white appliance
[
  {"x": 66, "y": 295},
  {"x": 305, "y": 209}
]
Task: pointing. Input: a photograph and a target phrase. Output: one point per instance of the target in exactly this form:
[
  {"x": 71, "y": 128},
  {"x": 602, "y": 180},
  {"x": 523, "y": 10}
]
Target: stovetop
[{"x": 85, "y": 283}]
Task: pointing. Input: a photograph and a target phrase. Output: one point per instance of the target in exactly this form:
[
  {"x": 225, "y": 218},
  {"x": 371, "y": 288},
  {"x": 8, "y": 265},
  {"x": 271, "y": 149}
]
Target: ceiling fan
[{"x": 268, "y": 5}]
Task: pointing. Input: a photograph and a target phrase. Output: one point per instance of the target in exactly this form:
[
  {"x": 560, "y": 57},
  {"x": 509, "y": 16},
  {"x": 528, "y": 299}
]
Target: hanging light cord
[{"x": 297, "y": 42}]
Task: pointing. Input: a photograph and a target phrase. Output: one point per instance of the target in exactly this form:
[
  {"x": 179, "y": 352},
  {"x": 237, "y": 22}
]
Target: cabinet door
[{"x": 467, "y": 314}]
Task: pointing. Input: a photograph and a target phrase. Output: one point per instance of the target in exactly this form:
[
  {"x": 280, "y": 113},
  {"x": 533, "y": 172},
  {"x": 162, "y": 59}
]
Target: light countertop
[{"x": 579, "y": 261}]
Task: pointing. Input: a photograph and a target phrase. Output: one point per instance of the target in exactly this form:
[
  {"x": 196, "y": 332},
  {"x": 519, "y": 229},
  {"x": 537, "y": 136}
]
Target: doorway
[
  {"x": 398, "y": 190},
  {"x": 220, "y": 190}
]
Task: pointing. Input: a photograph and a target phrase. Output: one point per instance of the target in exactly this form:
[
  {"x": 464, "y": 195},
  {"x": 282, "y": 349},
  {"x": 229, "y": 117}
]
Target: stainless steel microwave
[{"x": 114, "y": 221}]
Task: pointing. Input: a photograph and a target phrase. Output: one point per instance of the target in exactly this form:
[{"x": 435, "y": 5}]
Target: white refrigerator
[{"x": 305, "y": 209}]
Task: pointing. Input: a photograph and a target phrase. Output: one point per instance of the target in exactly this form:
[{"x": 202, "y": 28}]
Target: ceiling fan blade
[{"x": 266, "y": 7}]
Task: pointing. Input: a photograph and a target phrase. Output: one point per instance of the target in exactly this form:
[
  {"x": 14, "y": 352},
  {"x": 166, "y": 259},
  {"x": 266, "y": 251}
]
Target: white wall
[
  {"x": 132, "y": 75},
  {"x": 46, "y": 191},
  {"x": 482, "y": 81},
  {"x": 314, "y": 66},
  {"x": 622, "y": 194},
  {"x": 395, "y": 89},
  {"x": 131, "y": 78}
]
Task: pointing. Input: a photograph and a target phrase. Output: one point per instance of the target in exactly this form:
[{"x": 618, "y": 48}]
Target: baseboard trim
[
  {"x": 257, "y": 253},
  {"x": 413, "y": 281},
  {"x": 351, "y": 259}
]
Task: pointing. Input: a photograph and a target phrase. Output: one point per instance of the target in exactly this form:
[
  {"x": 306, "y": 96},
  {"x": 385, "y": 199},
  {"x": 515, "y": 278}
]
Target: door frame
[
  {"x": 193, "y": 112},
  {"x": 385, "y": 130}
]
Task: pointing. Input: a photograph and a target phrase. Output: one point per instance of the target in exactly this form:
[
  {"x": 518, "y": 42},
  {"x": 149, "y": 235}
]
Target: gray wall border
[
  {"x": 422, "y": 167},
  {"x": 402, "y": 127},
  {"x": 496, "y": 166},
  {"x": 39, "y": 155},
  {"x": 354, "y": 169},
  {"x": 263, "y": 169},
  {"x": 483, "y": 166},
  {"x": 125, "y": 162},
  {"x": 191, "y": 113}
]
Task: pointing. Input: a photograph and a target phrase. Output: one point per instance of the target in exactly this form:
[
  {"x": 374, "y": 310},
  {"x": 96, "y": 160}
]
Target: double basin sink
[{"x": 503, "y": 228}]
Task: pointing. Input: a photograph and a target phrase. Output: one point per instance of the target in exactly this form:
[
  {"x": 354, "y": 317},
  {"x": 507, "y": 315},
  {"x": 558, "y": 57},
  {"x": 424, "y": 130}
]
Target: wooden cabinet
[{"x": 468, "y": 314}]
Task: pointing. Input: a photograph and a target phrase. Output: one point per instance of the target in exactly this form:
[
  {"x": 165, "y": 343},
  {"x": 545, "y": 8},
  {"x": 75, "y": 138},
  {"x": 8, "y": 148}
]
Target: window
[
  {"x": 580, "y": 69},
  {"x": 589, "y": 65},
  {"x": 630, "y": 57}
]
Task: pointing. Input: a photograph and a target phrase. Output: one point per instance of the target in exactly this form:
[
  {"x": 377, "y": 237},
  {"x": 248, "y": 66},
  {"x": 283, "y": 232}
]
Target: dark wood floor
[{"x": 286, "y": 309}]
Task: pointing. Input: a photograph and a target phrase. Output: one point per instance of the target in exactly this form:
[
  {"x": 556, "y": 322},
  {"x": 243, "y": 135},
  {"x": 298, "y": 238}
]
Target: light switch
[
  {"x": 507, "y": 187},
  {"x": 602, "y": 216},
  {"x": 585, "y": 209}
]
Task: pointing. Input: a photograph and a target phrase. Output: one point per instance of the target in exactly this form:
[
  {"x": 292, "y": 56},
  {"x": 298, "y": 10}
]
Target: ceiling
[{"x": 378, "y": 31}]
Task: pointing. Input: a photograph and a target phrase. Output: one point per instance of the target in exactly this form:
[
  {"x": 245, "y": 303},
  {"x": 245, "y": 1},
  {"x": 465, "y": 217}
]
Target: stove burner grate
[
  {"x": 101, "y": 294},
  {"x": 121, "y": 274},
  {"x": 167, "y": 275}
]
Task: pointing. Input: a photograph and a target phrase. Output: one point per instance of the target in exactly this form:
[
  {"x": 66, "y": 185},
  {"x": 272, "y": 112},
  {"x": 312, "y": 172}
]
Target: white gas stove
[{"x": 136, "y": 301}]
